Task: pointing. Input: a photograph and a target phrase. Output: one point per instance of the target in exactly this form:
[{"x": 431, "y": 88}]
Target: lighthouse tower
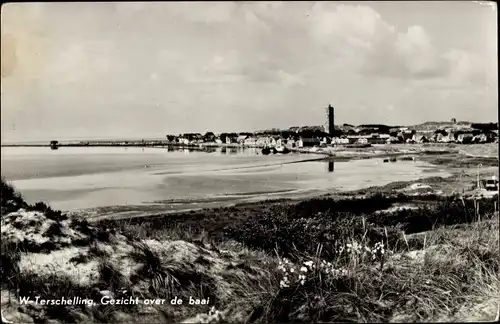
[{"x": 330, "y": 127}]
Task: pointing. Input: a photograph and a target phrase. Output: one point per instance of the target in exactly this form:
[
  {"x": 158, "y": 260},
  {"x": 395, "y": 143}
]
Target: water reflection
[
  {"x": 330, "y": 166},
  {"x": 220, "y": 150}
]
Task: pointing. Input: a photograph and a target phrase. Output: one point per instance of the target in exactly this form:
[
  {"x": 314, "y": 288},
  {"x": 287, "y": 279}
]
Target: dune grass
[{"x": 330, "y": 260}]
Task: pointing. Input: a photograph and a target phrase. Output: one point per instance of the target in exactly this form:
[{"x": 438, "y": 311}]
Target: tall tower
[{"x": 331, "y": 119}]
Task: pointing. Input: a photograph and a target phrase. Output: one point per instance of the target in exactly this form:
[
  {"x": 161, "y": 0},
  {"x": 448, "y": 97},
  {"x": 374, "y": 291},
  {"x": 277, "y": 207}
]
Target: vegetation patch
[{"x": 330, "y": 259}]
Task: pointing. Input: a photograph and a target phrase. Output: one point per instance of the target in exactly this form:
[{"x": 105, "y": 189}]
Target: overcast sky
[{"x": 76, "y": 70}]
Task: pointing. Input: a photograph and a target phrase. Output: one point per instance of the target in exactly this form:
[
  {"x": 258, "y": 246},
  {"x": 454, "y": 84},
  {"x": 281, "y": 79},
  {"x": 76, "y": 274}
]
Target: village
[
  {"x": 310, "y": 136},
  {"x": 319, "y": 136}
]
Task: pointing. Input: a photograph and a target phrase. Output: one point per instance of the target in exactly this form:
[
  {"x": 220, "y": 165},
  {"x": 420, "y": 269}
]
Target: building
[
  {"x": 250, "y": 140},
  {"x": 263, "y": 141},
  {"x": 362, "y": 140},
  {"x": 308, "y": 141},
  {"x": 231, "y": 139},
  {"x": 276, "y": 140},
  {"x": 378, "y": 138},
  {"x": 481, "y": 138},
  {"x": 340, "y": 140},
  {"x": 290, "y": 143},
  {"x": 393, "y": 140},
  {"x": 241, "y": 139},
  {"x": 465, "y": 138}
]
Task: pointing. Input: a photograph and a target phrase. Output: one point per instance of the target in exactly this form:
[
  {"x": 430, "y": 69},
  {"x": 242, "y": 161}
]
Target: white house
[
  {"x": 263, "y": 141},
  {"x": 290, "y": 143},
  {"x": 241, "y": 139},
  {"x": 183, "y": 140},
  {"x": 481, "y": 138},
  {"x": 363, "y": 140},
  {"x": 250, "y": 140}
]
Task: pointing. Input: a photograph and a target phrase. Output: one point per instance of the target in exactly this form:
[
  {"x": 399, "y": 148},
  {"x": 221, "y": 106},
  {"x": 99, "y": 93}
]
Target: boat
[{"x": 283, "y": 150}]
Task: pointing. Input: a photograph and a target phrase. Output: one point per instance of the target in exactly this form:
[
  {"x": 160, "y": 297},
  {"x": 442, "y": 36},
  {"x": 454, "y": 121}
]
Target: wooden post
[{"x": 478, "y": 214}]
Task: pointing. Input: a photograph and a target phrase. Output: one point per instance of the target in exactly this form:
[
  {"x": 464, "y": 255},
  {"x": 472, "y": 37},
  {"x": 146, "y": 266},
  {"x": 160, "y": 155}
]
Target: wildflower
[
  {"x": 283, "y": 284},
  {"x": 308, "y": 263},
  {"x": 302, "y": 282},
  {"x": 292, "y": 270},
  {"x": 303, "y": 269}
]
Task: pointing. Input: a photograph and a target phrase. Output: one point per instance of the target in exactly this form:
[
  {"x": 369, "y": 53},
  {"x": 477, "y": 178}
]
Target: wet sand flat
[{"x": 133, "y": 180}]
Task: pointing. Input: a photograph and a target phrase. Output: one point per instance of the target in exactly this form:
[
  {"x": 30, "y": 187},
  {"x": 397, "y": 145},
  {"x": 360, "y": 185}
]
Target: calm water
[{"x": 132, "y": 177}]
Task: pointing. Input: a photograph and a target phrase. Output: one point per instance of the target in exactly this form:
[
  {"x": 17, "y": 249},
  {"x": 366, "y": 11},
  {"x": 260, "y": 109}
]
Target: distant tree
[
  {"x": 441, "y": 131},
  {"x": 209, "y": 137},
  {"x": 485, "y": 126}
]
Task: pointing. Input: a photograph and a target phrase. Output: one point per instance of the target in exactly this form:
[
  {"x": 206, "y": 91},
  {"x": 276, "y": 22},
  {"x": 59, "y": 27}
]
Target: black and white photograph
[{"x": 249, "y": 162}]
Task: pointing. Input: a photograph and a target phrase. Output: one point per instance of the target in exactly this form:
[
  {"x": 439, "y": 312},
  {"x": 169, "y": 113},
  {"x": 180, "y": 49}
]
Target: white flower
[
  {"x": 283, "y": 284},
  {"x": 308, "y": 263},
  {"x": 303, "y": 269},
  {"x": 292, "y": 270},
  {"x": 302, "y": 282}
]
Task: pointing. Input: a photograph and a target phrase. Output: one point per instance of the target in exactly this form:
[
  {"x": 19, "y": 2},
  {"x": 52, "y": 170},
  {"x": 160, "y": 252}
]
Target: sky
[{"x": 143, "y": 70}]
